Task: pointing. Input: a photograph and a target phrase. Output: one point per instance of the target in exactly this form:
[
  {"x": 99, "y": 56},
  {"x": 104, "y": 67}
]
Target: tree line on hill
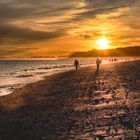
[{"x": 118, "y": 52}]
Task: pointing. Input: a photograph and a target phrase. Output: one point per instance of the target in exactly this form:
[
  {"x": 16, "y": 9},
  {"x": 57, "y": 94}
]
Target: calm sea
[{"x": 17, "y": 73}]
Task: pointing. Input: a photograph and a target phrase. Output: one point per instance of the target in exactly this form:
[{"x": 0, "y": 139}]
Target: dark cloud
[
  {"x": 12, "y": 10},
  {"x": 88, "y": 36},
  {"x": 9, "y": 52},
  {"x": 96, "y": 7},
  {"x": 11, "y": 34},
  {"x": 16, "y": 9},
  {"x": 106, "y": 3}
]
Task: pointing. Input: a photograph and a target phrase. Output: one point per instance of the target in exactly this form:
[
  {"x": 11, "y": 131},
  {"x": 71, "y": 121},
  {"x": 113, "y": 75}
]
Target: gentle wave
[{"x": 17, "y": 73}]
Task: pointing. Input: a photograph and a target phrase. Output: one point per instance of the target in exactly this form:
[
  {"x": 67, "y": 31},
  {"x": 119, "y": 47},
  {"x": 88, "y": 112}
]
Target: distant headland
[{"x": 118, "y": 52}]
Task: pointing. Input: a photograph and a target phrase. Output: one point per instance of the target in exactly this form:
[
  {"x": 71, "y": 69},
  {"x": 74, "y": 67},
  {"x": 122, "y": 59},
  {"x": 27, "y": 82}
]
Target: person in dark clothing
[
  {"x": 98, "y": 62},
  {"x": 76, "y": 64}
]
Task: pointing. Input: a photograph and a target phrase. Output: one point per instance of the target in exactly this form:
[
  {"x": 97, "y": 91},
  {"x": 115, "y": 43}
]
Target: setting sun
[{"x": 103, "y": 43}]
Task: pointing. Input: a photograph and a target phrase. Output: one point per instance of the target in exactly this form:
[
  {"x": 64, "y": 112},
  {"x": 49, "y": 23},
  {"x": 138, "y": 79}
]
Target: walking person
[
  {"x": 98, "y": 62},
  {"x": 76, "y": 64}
]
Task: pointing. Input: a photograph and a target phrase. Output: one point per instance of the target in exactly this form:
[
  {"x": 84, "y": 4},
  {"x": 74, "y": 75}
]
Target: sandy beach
[{"x": 77, "y": 105}]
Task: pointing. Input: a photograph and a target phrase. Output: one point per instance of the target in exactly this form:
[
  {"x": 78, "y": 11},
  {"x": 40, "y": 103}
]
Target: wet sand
[{"x": 76, "y": 105}]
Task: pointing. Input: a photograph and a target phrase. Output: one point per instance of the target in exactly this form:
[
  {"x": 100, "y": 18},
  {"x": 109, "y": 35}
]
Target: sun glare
[{"x": 103, "y": 43}]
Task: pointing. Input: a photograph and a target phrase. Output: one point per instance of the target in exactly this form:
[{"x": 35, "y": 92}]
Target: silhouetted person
[
  {"x": 76, "y": 64},
  {"x": 98, "y": 62}
]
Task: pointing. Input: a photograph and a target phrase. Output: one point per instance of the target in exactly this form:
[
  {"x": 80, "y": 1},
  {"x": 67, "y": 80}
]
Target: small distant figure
[
  {"x": 98, "y": 62},
  {"x": 76, "y": 64},
  {"x": 112, "y": 60},
  {"x": 115, "y": 60}
]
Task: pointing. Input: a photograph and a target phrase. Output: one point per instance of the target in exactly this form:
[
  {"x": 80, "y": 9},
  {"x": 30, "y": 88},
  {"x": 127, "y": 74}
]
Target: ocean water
[{"x": 17, "y": 73}]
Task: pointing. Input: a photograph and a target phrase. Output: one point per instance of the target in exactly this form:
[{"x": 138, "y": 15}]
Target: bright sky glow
[{"x": 103, "y": 43}]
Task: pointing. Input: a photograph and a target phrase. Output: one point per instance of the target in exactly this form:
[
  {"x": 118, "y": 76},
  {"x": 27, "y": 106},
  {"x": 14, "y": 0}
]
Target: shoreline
[
  {"x": 25, "y": 75},
  {"x": 6, "y": 90},
  {"x": 76, "y": 105}
]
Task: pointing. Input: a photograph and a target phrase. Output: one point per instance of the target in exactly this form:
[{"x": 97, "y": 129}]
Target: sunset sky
[{"x": 33, "y": 28}]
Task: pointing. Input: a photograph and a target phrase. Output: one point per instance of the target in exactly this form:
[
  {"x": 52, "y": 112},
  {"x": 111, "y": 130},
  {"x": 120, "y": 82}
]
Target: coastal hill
[{"x": 128, "y": 51}]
